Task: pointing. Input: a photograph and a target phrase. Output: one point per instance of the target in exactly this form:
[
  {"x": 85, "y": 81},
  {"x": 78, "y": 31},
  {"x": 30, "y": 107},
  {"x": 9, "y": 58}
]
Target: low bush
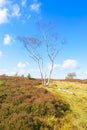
[
  {"x": 25, "y": 107},
  {"x": 2, "y": 98},
  {"x": 29, "y": 76}
]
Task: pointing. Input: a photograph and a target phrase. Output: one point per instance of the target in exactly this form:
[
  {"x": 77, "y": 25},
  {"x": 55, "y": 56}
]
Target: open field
[
  {"x": 25, "y": 105},
  {"x": 75, "y": 93}
]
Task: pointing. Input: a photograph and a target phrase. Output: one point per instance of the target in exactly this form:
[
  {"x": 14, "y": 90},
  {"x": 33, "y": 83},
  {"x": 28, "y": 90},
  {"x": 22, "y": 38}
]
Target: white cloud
[
  {"x": 3, "y": 71},
  {"x": 7, "y": 39},
  {"x": 0, "y": 53},
  {"x": 3, "y": 15},
  {"x": 21, "y": 65},
  {"x": 9, "y": 10},
  {"x": 16, "y": 10},
  {"x": 2, "y": 2},
  {"x": 85, "y": 72},
  {"x": 23, "y": 2},
  {"x": 54, "y": 67},
  {"x": 35, "y": 7},
  {"x": 4, "y": 11},
  {"x": 69, "y": 64}
]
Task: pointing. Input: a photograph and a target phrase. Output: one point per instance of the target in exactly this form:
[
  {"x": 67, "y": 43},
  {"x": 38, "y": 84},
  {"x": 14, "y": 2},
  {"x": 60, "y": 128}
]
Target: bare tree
[{"x": 51, "y": 44}]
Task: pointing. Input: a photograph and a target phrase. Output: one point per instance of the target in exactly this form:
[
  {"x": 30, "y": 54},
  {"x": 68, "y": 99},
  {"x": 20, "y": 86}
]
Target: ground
[{"x": 26, "y": 105}]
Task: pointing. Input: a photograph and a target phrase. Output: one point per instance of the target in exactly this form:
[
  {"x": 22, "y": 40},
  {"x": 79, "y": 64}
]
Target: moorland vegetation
[{"x": 26, "y": 105}]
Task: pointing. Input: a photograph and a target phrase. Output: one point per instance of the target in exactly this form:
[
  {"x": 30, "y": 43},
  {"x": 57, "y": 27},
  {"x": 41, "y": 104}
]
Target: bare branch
[{"x": 50, "y": 42}]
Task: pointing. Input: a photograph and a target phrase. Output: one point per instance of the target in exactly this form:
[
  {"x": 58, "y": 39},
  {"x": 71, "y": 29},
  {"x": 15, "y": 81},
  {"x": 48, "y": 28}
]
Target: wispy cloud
[
  {"x": 35, "y": 7},
  {"x": 21, "y": 65},
  {"x": 4, "y": 11},
  {"x": 55, "y": 66},
  {"x": 16, "y": 10},
  {"x": 10, "y": 9},
  {"x": 0, "y": 53},
  {"x": 3, "y": 15},
  {"x": 85, "y": 72},
  {"x": 2, "y": 3},
  {"x": 69, "y": 64},
  {"x": 3, "y": 71},
  {"x": 23, "y": 2},
  {"x": 7, "y": 39}
]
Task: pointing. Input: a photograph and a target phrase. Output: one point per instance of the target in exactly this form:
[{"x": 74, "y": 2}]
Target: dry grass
[{"x": 26, "y": 107}]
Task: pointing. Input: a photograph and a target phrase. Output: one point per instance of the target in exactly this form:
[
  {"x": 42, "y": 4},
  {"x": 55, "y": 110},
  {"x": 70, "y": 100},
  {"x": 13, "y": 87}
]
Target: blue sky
[{"x": 20, "y": 17}]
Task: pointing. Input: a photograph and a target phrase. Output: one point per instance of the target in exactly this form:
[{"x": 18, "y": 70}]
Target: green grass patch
[
  {"x": 2, "y": 83},
  {"x": 75, "y": 94}
]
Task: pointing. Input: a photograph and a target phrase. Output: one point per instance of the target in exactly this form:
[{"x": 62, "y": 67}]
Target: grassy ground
[
  {"x": 75, "y": 93},
  {"x": 25, "y": 105}
]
